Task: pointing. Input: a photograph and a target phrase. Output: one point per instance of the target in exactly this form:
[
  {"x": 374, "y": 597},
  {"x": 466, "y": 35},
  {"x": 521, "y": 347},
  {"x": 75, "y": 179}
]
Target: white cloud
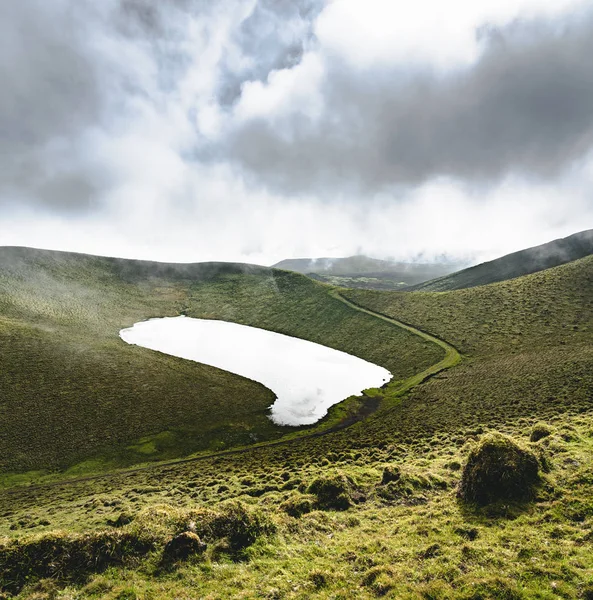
[
  {"x": 285, "y": 92},
  {"x": 442, "y": 34}
]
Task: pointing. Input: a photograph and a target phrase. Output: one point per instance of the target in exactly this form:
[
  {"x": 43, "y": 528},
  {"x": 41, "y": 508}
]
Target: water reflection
[{"x": 307, "y": 378}]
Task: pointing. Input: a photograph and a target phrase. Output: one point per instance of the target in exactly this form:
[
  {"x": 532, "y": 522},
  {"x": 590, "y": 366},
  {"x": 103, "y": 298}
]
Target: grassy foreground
[{"x": 369, "y": 511}]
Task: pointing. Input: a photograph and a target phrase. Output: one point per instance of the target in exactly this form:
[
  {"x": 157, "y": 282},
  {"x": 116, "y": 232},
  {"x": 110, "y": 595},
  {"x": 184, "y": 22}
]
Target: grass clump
[
  {"x": 337, "y": 492},
  {"x": 298, "y": 505},
  {"x": 379, "y": 580},
  {"x": 498, "y": 469},
  {"x": 539, "y": 432},
  {"x": 490, "y": 588},
  {"x": 68, "y": 557},
  {"x": 183, "y": 546},
  {"x": 235, "y": 524},
  {"x": 390, "y": 473}
]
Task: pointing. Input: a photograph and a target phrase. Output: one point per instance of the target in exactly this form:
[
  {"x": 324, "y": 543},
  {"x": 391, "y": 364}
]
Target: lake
[{"x": 307, "y": 378}]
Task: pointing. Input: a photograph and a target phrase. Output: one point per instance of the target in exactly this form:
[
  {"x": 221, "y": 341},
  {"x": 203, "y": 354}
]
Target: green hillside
[
  {"x": 72, "y": 391},
  {"x": 364, "y": 512},
  {"x": 517, "y": 264},
  {"x": 528, "y": 344}
]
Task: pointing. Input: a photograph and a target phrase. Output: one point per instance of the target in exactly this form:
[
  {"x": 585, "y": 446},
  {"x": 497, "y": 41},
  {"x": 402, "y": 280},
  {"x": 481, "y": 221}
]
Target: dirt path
[
  {"x": 369, "y": 406},
  {"x": 451, "y": 358}
]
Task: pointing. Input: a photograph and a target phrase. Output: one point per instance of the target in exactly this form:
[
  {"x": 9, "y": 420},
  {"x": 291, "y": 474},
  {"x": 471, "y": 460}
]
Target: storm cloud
[
  {"x": 525, "y": 107},
  {"x": 261, "y": 129}
]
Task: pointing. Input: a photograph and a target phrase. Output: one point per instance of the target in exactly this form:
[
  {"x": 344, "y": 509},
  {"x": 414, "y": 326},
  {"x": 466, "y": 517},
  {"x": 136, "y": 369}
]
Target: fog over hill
[
  {"x": 366, "y": 272},
  {"x": 524, "y": 262}
]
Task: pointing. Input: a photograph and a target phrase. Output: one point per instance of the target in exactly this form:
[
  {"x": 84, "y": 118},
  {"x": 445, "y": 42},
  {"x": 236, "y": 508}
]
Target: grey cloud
[
  {"x": 274, "y": 36},
  {"x": 526, "y": 107},
  {"x": 60, "y": 81},
  {"x": 50, "y": 91},
  {"x": 66, "y": 74},
  {"x": 48, "y": 85}
]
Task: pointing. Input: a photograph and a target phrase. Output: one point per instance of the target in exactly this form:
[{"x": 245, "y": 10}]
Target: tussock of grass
[
  {"x": 540, "y": 431},
  {"x": 335, "y": 491},
  {"x": 498, "y": 468},
  {"x": 69, "y": 557},
  {"x": 298, "y": 505},
  {"x": 175, "y": 534},
  {"x": 183, "y": 546}
]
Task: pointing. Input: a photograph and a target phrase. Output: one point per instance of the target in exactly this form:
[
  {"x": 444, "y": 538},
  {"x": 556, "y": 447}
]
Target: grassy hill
[
  {"x": 365, "y": 272},
  {"x": 527, "y": 342},
  {"x": 71, "y": 391},
  {"x": 517, "y": 264},
  {"x": 365, "y": 512}
]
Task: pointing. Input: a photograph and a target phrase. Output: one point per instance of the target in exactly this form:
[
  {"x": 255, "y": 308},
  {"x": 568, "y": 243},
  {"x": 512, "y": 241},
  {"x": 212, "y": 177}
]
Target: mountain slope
[{"x": 524, "y": 262}]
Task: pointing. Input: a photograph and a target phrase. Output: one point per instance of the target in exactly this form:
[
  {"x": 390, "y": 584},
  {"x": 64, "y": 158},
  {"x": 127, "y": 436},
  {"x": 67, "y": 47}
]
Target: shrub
[{"x": 498, "y": 468}]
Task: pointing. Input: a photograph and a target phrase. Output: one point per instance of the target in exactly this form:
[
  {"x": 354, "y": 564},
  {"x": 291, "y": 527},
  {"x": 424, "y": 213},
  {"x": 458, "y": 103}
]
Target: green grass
[{"x": 527, "y": 365}]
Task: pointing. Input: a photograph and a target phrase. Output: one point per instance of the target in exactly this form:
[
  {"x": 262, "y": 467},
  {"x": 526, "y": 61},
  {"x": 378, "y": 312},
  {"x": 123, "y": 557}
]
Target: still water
[{"x": 307, "y": 378}]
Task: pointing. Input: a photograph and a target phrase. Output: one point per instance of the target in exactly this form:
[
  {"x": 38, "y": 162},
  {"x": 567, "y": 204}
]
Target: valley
[{"x": 513, "y": 357}]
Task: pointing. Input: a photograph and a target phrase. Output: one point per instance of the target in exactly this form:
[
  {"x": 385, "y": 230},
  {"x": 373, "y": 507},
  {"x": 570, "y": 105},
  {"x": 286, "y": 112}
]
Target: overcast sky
[{"x": 258, "y": 130}]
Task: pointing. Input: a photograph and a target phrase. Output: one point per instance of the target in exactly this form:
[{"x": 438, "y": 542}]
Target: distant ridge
[
  {"x": 363, "y": 266},
  {"x": 22, "y": 259},
  {"x": 517, "y": 264}
]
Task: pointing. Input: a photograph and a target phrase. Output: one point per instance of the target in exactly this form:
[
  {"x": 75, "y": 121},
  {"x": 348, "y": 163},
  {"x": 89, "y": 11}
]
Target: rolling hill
[{"x": 524, "y": 262}]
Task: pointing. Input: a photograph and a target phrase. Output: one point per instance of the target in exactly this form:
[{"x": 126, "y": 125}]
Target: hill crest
[{"x": 516, "y": 264}]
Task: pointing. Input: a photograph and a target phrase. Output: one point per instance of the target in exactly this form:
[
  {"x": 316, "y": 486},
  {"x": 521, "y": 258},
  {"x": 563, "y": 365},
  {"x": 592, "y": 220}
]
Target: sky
[{"x": 258, "y": 130}]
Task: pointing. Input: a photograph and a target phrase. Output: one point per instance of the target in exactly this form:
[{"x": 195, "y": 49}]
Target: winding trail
[
  {"x": 393, "y": 390},
  {"x": 451, "y": 358}
]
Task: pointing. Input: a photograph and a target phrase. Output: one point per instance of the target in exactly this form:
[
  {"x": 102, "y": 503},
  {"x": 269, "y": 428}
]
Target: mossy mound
[
  {"x": 298, "y": 505},
  {"x": 498, "y": 468},
  {"x": 236, "y": 524},
  {"x": 68, "y": 557},
  {"x": 390, "y": 473},
  {"x": 184, "y": 545},
  {"x": 539, "y": 432},
  {"x": 337, "y": 492}
]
